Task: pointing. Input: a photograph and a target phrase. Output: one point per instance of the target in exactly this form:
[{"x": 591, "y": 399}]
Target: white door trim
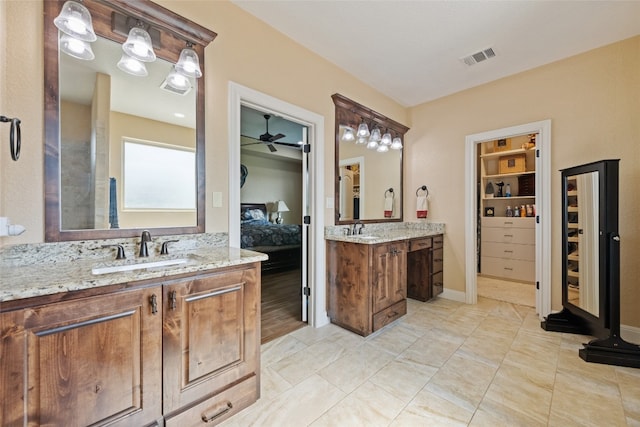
[
  {"x": 543, "y": 209},
  {"x": 241, "y": 95}
]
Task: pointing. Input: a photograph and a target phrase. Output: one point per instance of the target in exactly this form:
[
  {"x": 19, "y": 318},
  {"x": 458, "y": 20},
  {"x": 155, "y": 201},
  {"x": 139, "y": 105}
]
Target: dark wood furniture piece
[
  {"x": 178, "y": 351},
  {"x": 591, "y": 264},
  {"x": 424, "y": 268},
  {"x": 367, "y": 284}
]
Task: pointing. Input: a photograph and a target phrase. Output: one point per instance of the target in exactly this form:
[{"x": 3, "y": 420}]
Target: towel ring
[
  {"x": 388, "y": 191},
  {"x": 423, "y": 188},
  {"x": 15, "y": 138}
]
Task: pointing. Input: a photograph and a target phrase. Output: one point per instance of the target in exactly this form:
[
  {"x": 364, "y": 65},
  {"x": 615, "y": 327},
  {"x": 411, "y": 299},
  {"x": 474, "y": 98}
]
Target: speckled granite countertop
[
  {"x": 32, "y": 280},
  {"x": 384, "y": 236}
]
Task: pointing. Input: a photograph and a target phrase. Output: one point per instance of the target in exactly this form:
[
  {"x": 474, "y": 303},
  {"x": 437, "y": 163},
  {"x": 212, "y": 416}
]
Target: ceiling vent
[
  {"x": 474, "y": 58},
  {"x": 166, "y": 86}
]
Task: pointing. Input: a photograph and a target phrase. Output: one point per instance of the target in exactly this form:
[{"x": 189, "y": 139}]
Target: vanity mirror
[
  {"x": 104, "y": 126},
  {"x": 368, "y": 184}
]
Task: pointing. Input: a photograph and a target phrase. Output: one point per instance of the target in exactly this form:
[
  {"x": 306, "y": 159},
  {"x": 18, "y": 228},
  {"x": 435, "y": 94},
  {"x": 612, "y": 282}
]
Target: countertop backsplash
[{"x": 60, "y": 252}]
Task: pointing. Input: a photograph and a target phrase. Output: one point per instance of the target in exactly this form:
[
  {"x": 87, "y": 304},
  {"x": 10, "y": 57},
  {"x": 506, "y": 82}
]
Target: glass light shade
[
  {"x": 382, "y": 148},
  {"x": 75, "y": 20},
  {"x": 361, "y": 140},
  {"x": 138, "y": 45},
  {"x": 363, "y": 130},
  {"x": 348, "y": 135},
  {"x": 397, "y": 143},
  {"x": 386, "y": 139},
  {"x": 132, "y": 66},
  {"x": 76, "y": 48},
  {"x": 178, "y": 81},
  {"x": 372, "y": 145},
  {"x": 375, "y": 135},
  {"x": 189, "y": 64}
]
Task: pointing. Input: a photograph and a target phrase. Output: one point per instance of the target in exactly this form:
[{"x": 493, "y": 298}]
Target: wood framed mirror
[
  {"x": 95, "y": 115},
  {"x": 367, "y": 182}
]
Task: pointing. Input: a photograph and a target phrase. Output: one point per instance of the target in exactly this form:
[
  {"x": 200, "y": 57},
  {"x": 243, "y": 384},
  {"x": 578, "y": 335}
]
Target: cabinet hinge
[
  {"x": 306, "y": 219},
  {"x": 537, "y": 219},
  {"x": 307, "y": 291},
  {"x": 306, "y": 148},
  {"x": 537, "y": 153},
  {"x": 537, "y": 285}
]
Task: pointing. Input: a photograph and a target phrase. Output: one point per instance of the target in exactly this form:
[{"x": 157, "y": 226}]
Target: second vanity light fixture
[
  {"x": 373, "y": 139},
  {"x": 74, "y": 21}
]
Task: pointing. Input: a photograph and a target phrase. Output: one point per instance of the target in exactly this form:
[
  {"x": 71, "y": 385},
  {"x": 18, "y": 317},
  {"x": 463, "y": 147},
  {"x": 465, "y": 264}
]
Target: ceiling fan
[{"x": 267, "y": 138}]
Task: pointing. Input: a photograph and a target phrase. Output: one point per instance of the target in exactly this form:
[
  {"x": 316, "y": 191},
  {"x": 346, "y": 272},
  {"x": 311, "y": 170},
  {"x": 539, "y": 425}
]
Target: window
[{"x": 158, "y": 176}]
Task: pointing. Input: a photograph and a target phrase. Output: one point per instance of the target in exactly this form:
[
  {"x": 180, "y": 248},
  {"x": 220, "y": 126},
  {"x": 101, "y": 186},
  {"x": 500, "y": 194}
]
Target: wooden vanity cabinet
[
  {"x": 89, "y": 361},
  {"x": 424, "y": 268},
  {"x": 367, "y": 284},
  {"x": 211, "y": 344}
]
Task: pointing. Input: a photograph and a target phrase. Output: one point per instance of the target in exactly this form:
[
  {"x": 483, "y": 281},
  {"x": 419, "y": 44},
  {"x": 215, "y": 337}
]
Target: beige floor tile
[
  {"x": 429, "y": 409},
  {"x": 505, "y": 290},
  {"x": 462, "y": 380},
  {"x": 280, "y": 348},
  {"x": 368, "y": 405},
  {"x": 309, "y": 335},
  {"x": 271, "y": 383},
  {"x": 300, "y": 365},
  {"x": 394, "y": 338},
  {"x": 403, "y": 379},
  {"x": 489, "y": 349},
  {"x": 629, "y": 382},
  {"x": 433, "y": 349},
  {"x": 492, "y": 414}
]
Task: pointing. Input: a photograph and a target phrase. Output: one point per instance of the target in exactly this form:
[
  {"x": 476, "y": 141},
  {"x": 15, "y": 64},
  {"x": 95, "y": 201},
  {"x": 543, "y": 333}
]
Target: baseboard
[
  {"x": 630, "y": 334},
  {"x": 453, "y": 295}
]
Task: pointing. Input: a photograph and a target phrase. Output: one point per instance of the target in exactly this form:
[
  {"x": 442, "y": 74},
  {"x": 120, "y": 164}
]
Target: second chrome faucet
[{"x": 144, "y": 239}]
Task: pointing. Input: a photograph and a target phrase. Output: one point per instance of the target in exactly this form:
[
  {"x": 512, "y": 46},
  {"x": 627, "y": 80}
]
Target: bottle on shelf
[
  {"x": 509, "y": 212},
  {"x": 507, "y": 190}
]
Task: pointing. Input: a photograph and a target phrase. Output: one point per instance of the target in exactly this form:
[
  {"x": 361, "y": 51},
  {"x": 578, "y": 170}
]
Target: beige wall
[{"x": 593, "y": 101}]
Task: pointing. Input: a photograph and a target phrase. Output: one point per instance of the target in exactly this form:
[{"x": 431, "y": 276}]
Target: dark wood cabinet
[
  {"x": 367, "y": 284},
  {"x": 424, "y": 268},
  {"x": 90, "y": 361}
]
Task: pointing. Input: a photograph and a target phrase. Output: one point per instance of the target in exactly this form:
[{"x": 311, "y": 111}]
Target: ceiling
[
  {"x": 411, "y": 50},
  {"x": 253, "y": 124}
]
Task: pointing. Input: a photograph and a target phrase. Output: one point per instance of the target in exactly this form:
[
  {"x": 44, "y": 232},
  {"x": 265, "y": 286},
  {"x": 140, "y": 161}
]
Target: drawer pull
[
  {"x": 153, "y": 300},
  {"x": 437, "y": 260},
  {"x": 392, "y": 314},
  {"x": 508, "y": 223},
  {"x": 508, "y": 235},
  {"x": 173, "y": 300},
  {"x": 508, "y": 252},
  {"x": 508, "y": 268},
  {"x": 226, "y": 408}
]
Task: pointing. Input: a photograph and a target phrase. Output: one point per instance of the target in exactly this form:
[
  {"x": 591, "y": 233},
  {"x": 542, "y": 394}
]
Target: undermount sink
[{"x": 138, "y": 266}]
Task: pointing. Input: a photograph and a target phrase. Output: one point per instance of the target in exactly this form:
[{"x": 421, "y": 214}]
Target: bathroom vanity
[
  {"x": 367, "y": 276},
  {"x": 175, "y": 346}
]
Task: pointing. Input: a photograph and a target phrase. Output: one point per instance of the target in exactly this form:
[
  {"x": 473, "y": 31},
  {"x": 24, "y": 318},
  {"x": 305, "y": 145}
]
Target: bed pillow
[{"x": 253, "y": 216}]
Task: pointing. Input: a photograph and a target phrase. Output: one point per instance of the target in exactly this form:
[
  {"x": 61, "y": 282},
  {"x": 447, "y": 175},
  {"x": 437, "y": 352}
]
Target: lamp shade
[
  {"x": 281, "y": 206},
  {"x": 132, "y": 66},
  {"x": 178, "y": 80},
  {"x": 188, "y": 63},
  {"x": 77, "y": 48},
  {"x": 138, "y": 45},
  {"x": 75, "y": 20}
]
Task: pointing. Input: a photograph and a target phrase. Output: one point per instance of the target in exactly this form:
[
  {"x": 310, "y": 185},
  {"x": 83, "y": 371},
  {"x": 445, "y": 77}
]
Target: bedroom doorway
[{"x": 311, "y": 290}]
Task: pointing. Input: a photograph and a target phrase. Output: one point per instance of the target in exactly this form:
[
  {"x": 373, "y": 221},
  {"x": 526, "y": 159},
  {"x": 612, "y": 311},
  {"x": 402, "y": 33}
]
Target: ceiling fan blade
[
  {"x": 276, "y": 137},
  {"x": 288, "y": 144},
  {"x": 272, "y": 148}
]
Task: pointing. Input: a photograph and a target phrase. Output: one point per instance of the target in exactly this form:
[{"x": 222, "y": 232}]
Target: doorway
[
  {"x": 312, "y": 289},
  {"x": 541, "y": 221}
]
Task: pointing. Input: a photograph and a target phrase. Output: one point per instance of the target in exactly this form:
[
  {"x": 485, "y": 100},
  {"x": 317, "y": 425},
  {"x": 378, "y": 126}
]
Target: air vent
[
  {"x": 474, "y": 58},
  {"x": 166, "y": 86}
]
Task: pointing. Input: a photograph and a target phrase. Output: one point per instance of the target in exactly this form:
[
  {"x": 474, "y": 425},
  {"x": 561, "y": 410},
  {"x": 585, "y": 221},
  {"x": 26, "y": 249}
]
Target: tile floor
[{"x": 443, "y": 364}]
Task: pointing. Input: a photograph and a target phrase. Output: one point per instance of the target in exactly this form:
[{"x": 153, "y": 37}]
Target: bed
[{"x": 282, "y": 242}]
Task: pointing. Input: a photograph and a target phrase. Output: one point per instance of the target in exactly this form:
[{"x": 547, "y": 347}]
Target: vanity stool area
[
  {"x": 371, "y": 276},
  {"x": 173, "y": 346}
]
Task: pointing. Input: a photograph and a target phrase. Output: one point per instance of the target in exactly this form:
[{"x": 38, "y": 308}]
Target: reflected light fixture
[
  {"x": 77, "y": 48},
  {"x": 132, "y": 66},
  {"x": 382, "y": 148},
  {"x": 189, "y": 63},
  {"x": 363, "y": 130},
  {"x": 375, "y": 135},
  {"x": 372, "y": 145},
  {"x": 138, "y": 44},
  {"x": 178, "y": 80},
  {"x": 348, "y": 134},
  {"x": 396, "y": 144},
  {"x": 386, "y": 139},
  {"x": 75, "y": 20}
]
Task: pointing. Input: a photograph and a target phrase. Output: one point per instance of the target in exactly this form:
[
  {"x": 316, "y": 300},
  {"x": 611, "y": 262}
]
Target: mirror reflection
[
  {"x": 103, "y": 110},
  {"x": 368, "y": 180},
  {"x": 582, "y": 239}
]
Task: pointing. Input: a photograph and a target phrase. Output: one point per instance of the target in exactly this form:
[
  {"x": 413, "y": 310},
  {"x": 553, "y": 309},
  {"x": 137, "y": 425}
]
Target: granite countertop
[
  {"x": 384, "y": 236},
  {"x": 51, "y": 278}
]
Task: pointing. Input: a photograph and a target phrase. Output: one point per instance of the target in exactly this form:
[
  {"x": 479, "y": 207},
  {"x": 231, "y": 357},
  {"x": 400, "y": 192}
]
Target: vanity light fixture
[
  {"x": 396, "y": 144},
  {"x": 382, "y": 148},
  {"x": 138, "y": 44},
  {"x": 386, "y": 139},
  {"x": 76, "y": 48},
  {"x": 132, "y": 66},
  {"x": 75, "y": 20},
  {"x": 178, "y": 81},
  {"x": 348, "y": 135},
  {"x": 189, "y": 64}
]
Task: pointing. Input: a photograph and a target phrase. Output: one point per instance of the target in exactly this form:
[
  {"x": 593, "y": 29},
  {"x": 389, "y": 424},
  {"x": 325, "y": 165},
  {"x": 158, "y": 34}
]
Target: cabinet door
[
  {"x": 95, "y": 361},
  {"x": 389, "y": 275},
  {"x": 211, "y": 335}
]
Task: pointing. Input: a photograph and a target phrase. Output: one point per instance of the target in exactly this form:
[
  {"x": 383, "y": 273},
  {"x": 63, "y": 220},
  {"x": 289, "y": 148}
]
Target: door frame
[
  {"x": 242, "y": 95},
  {"x": 543, "y": 209}
]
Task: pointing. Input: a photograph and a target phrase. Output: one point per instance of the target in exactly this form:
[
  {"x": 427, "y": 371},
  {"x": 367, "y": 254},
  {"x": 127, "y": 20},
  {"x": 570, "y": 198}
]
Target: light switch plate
[
  {"x": 217, "y": 199},
  {"x": 329, "y": 202}
]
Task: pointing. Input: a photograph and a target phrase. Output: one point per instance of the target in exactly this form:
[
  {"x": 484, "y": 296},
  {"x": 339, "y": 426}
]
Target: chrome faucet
[
  {"x": 355, "y": 224},
  {"x": 144, "y": 238}
]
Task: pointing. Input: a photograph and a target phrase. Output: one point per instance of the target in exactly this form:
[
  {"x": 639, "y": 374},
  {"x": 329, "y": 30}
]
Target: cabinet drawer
[
  {"x": 417, "y": 244},
  {"x": 437, "y": 260},
  {"x": 219, "y": 407},
  {"x": 508, "y": 269},
  {"x": 438, "y": 241},
  {"x": 389, "y": 314},
  {"x": 508, "y": 222},
  {"x": 508, "y": 235},
  {"x": 509, "y": 251},
  {"x": 437, "y": 284}
]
